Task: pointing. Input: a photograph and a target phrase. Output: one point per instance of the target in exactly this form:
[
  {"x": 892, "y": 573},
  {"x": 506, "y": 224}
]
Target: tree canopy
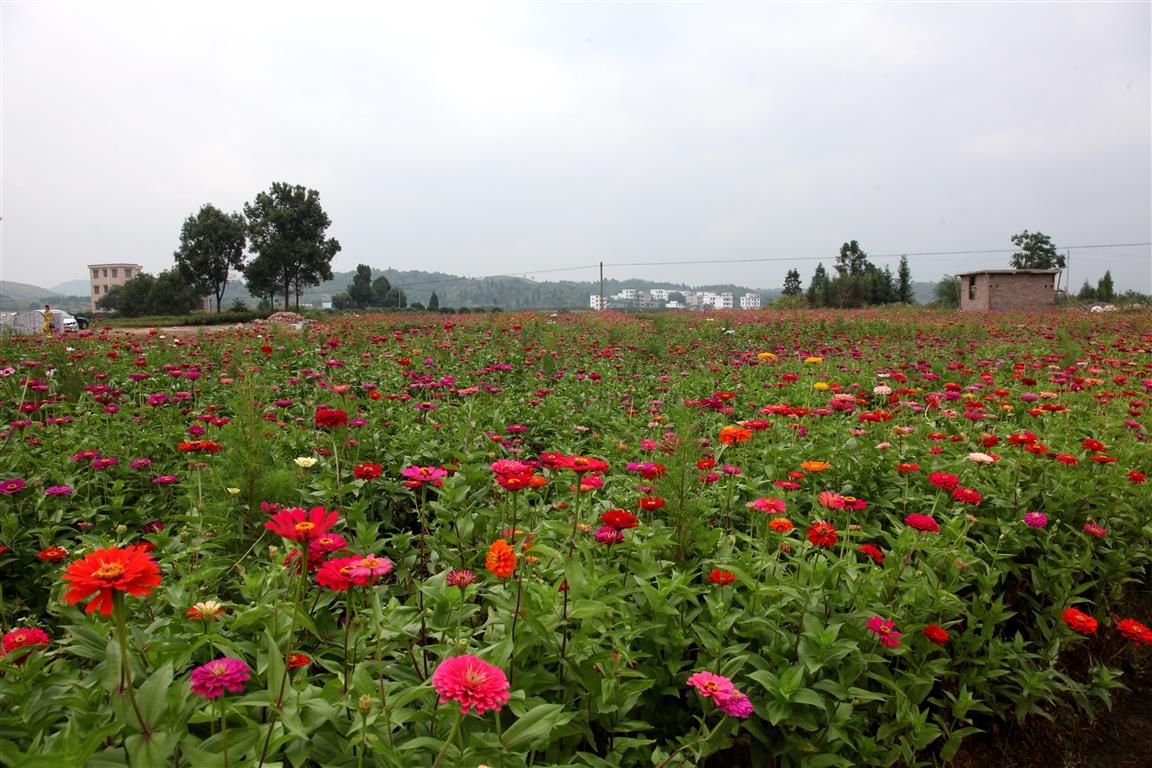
[
  {"x": 211, "y": 246},
  {"x": 286, "y": 227},
  {"x": 792, "y": 283},
  {"x": 1036, "y": 252}
]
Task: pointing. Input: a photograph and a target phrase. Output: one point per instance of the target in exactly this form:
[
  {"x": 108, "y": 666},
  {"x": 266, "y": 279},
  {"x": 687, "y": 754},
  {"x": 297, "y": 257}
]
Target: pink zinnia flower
[
  {"x": 417, "y": 477},
  {"x": 22, "y": 638},
  {"x": 216, "y": 677},
  {"x": 369, "y": 568},
  {"x": 460, "y": 577},
  {"x": 768, "y": 505},
  {"x": 1093, "y": 529},
  {"x": 712, "y": 686},
  {"x": 472, "y": 682},
  {"x": 830, "y": 500},
  {"x": 885, "y": 630},
  {"x": 607, "y": 534},
  {"x": 736, "y": 705}
]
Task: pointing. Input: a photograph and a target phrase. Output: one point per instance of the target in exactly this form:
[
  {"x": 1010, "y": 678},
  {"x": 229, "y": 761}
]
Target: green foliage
[
  {"x": 792, "y": 283},
  {"x": 1087, "y": 292},
  {"x": 1105, "y": 290},
  {"x": 211, "y": 246},
  {"x": 1036, "y": 252},
  {"x": 904, "y": 290},
  {"x": 286, "y": 228},
  {"x": 948, "y": 292},
  {"x": 433, "y": 302},
  {"x": 360, "y": 291}
]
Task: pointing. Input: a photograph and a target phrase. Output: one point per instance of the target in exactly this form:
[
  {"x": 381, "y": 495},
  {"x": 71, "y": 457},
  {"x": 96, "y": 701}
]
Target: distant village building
[
  {"x": 658, "y": 298},
  {"x": 1008, "y": 290},
  {"x": 105, "y": 277}
]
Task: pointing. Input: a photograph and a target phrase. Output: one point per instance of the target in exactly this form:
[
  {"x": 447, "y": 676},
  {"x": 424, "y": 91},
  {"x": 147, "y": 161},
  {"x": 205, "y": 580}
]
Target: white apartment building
[{"x": 750, "y": 301}]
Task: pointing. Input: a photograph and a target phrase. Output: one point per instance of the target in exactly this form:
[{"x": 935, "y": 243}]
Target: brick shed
[{"x": 1008, "y": 290}]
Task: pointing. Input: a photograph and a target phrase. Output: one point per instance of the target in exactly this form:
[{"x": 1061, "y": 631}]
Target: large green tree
[
  {"x": 1036, "y": 252},
  {"x": 904, "y": 291},
  {"x": 360, "y": 289},
  {"x": 380, "y": 289},
  {"x": 211, "y": 246},
  {"x": 852, "y": 260},
  {"x": 1105, "y": 290},
  {"x": 286, "y": 227},
  {"x": 792, "y": 283},
  {"x": 947, "y": 291},
  {"x": 818, "y": 287}
]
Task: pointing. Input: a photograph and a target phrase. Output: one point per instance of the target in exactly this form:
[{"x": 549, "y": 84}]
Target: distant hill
[
  {"x": 73, "y": 288},
  {"x": 506, "y": 291}
]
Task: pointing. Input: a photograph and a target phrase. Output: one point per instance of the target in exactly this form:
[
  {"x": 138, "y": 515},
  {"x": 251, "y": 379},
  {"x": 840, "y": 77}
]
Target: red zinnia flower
[
  {"x": 944, "y": 480},
  {"x": 472, "y": 682},
  {"x": 52, "y": 554},
  {"x": 651, "y": 503},
  {"x": 105, "y": 572},
  {"x": 936, "y": 634},
  {"x": 619, "y": 519},
  {"x": 297, "y": 660},
  {"x": 367, "y": 471},
  {"x": 582, "y": 464},
  {"x": 300, "y": 525},
  {"x": 1130, "y": 628},
  {"x": 1095, "y": 446},
  {"x": 331, "y": 417},
  {"x": 923, "y": 523},
  {"x": 823, "y": 534},
  {"x": 1136, "y": 476},
  {"x": 1078, "y": 621},
  {"x": 721, "y": 577},
  {"x": 22, "y": 638},
  {"x": 336, "y": 574},
  {"x": 966, "y": 496},
  {"x": 872, "y": 551}
]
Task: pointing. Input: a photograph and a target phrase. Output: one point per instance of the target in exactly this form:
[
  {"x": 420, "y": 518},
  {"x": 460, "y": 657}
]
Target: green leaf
[
  {"x": 153, "y": 695},
  {"x": 534, "y": 726}
]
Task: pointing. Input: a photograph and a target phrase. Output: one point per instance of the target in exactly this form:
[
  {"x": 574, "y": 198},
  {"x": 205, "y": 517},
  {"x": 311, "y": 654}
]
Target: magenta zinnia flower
[
  {"x": 885, "y": 630},
  {"x": 216, "y": 677},
  {"x": 472, "y": 682},
  {"x": 14, "y": 485},
  {"x": 1035, "y": 519},
  {"x": 736, "y": 705}
]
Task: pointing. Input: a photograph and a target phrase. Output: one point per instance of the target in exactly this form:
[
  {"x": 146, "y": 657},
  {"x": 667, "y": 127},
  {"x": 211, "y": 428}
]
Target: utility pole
[{"x": 601, "y": 286}]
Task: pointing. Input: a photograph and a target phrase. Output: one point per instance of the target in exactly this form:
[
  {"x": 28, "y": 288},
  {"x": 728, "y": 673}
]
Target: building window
[
  {"x": 114, "y": 271},
  {"x": 972, "y": 287},
  {"x": 105, "y": 273},
  {"x": 95, "y": 290}
]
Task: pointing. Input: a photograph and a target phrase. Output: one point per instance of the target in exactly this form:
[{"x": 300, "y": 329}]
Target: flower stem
[
  {"x": 448, "y": 741},
  {"x": 125, "y": 672}
]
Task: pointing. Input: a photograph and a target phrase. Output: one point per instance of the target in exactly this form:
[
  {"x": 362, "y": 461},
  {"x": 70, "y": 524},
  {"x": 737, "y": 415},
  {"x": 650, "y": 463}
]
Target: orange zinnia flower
[
  {"x": 814, "y": 466},
  {"x": 730, "y": 435},
  {"x": 107, "y": 571},
  {"x": 501, "y": 559}
]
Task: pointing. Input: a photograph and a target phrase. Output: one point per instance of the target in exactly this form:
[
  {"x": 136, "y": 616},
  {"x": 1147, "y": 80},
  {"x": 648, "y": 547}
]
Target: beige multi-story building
[{"x": 103, "y": 277}]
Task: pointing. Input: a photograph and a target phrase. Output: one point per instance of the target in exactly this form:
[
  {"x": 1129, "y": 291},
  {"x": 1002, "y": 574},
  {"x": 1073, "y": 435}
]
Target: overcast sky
[{"x": 483, "y": 139}]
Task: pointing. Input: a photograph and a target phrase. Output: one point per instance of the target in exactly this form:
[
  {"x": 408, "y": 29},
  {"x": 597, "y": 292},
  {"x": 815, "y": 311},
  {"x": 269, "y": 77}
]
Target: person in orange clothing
[{"x": 47, "y": 320}]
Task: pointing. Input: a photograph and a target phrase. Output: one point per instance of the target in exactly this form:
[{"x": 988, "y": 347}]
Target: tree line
[
  {"x": 859, "y": 283},
  {"x": 285, "y": 230}
]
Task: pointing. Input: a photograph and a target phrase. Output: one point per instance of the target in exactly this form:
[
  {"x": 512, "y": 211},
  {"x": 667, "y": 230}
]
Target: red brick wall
[{"x": 1009, "y": 293}]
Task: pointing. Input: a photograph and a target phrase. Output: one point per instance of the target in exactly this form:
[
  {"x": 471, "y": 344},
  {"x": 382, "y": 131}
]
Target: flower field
[{"x": 762, "y": 539}]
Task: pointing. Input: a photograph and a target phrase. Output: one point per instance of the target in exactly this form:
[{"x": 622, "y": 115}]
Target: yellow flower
[
  {"x": 233, "y": 491},
  {"x": 765, "y": 357},
  {"x": 820, "y": 386},
  {"x": 813, "y": 359},
  {"x": 305, "y": 462},
  {"x": 814, "y": 466}
]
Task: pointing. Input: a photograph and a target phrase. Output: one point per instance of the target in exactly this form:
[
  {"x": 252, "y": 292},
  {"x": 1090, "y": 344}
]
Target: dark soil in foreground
[{"x": 1121, "y": 738}]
